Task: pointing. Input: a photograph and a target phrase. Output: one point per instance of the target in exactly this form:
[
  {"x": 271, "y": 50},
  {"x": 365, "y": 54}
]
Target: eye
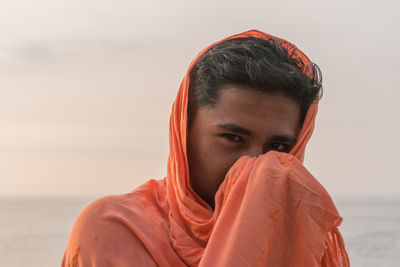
[
  {"x": 233, "y": 138},
  {"x": 278, "y": 147}
]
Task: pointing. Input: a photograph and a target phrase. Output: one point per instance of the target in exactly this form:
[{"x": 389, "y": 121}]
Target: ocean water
[
  {"x": 34, "y": 230},
  {"x": 371, "y": 230}
]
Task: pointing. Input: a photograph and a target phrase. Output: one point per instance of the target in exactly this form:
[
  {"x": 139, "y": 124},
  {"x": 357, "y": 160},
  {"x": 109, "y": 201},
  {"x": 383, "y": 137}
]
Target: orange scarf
[{"x": 269, "y": 211}]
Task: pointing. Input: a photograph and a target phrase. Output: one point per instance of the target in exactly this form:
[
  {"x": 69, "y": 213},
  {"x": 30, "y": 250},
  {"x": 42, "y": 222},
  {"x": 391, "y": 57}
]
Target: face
[{"x": 244, "y": 122}]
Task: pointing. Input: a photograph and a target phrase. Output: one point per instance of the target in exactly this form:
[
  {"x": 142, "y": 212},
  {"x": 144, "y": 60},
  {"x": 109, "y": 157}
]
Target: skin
[{"x": 244, "y": 122}]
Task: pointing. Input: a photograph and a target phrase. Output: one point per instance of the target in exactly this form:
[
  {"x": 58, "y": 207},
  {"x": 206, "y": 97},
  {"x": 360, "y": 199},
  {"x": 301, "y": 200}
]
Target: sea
[{"x": 34, "y": 230}]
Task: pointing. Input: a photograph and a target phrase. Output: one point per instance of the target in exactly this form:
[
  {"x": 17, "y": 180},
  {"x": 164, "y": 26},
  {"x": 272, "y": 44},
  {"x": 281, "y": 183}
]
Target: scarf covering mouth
[{"x": 269, "y": 210}]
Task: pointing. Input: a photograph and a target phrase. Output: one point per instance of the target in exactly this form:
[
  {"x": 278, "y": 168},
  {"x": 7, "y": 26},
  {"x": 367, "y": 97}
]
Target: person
[{"x": 236, "y": 191}]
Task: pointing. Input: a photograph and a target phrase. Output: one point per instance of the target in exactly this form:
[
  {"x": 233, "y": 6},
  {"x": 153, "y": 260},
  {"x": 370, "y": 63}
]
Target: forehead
[
  {"x": 253, "y": 109},
  {"x": 244, "y": 101}
]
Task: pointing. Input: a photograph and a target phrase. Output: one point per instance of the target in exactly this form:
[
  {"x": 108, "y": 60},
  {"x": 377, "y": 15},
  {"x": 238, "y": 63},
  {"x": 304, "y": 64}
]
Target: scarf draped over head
[
  {"x": 269, "y": 210},
  {"x": 252, "y": 226}
]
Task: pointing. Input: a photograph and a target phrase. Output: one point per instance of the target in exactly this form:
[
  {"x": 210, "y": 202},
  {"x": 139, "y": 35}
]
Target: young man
[{"x": 236, "y": 192}]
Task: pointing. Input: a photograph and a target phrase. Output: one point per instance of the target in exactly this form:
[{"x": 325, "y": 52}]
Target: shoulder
[
  {"x": 124, "y": 208},
  {"x": 104, "y": 233}
]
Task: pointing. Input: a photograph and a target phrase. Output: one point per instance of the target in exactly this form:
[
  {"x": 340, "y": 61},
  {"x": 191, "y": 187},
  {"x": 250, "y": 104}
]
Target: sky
[{"x": 87, "y": 87}]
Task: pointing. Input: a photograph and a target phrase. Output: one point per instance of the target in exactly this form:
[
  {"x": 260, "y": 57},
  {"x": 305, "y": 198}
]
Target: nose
[{"x": 255, "y": 151}]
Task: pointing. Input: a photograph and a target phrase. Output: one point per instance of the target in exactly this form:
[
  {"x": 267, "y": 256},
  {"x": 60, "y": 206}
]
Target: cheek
[
  {"x": 212, "y": 160},
  {"x": 218, "y": 162}
]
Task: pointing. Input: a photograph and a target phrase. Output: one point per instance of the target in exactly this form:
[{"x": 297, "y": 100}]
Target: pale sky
[{"x": 86, "y": 88}]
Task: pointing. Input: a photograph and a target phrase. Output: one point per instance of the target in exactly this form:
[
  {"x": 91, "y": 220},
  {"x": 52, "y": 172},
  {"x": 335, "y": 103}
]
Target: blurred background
[{"x": 86, "y": 89}]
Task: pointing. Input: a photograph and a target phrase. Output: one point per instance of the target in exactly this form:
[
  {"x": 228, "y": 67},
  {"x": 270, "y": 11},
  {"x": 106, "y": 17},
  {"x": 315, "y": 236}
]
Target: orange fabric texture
[{"x": 269, "y": 211}]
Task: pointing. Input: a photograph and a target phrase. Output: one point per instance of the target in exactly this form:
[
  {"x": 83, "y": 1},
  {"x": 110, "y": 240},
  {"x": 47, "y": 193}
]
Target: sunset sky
[{"x": 86, "y": 88}]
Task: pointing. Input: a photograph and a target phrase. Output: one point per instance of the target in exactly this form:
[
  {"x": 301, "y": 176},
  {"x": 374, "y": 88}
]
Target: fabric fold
[{"x": 275, "y": 214}]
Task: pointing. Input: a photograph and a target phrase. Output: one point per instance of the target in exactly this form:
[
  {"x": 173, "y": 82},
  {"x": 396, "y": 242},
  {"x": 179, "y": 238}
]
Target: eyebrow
[
  {"x": 240, "y": 130},
  {"x": 234, "y": 128},
  {"x": 284, "y": 139}
]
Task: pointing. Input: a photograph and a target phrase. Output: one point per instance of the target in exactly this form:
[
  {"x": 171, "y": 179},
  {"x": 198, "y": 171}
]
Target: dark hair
[{"x": 255, "y": 63}]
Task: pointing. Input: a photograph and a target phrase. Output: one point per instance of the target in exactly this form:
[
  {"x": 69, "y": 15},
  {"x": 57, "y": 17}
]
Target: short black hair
[{"x": 255, "y": 63}]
